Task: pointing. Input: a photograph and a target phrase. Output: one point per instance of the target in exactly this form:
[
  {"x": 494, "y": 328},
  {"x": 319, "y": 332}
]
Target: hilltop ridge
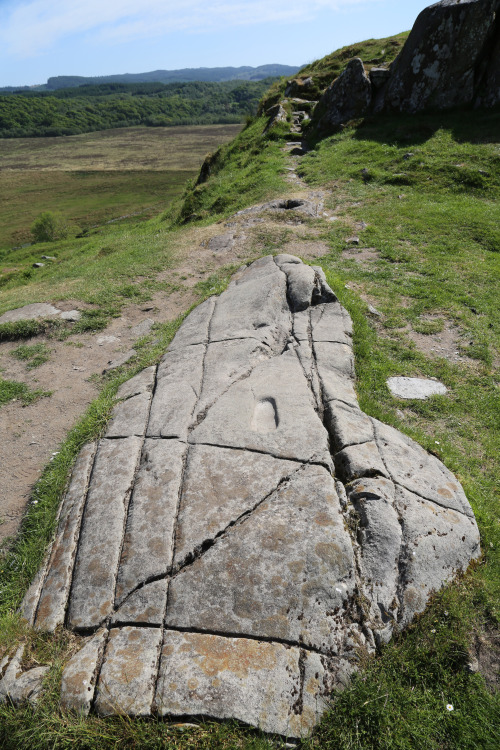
[{"x": 181, "y": 75}]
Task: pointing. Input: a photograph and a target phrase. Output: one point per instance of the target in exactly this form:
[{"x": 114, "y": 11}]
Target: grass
[
  {"x": 247, "y": 170},
  {"x": 430, "y": 200},
  {"x": 117, "y": 263},
  {"x": 11, "y": 390},
  {"x": 34, "y": 355},
  {"x": 97, "y": 177}
]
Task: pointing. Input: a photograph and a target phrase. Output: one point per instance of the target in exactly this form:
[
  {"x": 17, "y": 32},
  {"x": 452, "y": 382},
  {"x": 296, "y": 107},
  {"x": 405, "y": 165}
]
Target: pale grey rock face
[
  {"x": 276, "y": 115},
  {"x": 80, "y": 673},
  {"x": 17, "y": 686},
  {"x": 347, "y": 98},
  {"x": 420, "y": 388},
  {"x": 244, "y": 531},
  {"x": 128, "y": 674},
  {"x": 30, "y": 312},
  {"x": 437, "y": 67}
]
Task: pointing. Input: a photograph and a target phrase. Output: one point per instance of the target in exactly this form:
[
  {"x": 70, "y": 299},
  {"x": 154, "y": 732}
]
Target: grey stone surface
[
  {"x": 254, "y": 416},
  {"x": 29, "y": 312},
  {"x": 128, "y": 674},
  {"x": 178, "y": 385},
  {"x": 225, "y": 363},
  {"x": 130, "y": 417},
  {"x": 438, "y": 544},
  {"x": 194, "y": 330},
  {"x": 140, "y": 383},
  {"x": 147, "y": 545},
  {"x": 379, "y": 76},
  {"x": 27, "y": 610},
  {"x": 143, "y": 328},
  {"x": 145, "y": 606},
  {"x": 438, "y": 63},
  {"x": 253, "y": 681},
  {"x": 80, "y": 674},
  {"x": 276, "y": 115},
  {"x": 249, "y": 573},
  {"x": 220, "y": 486},
  {"x": 54, "y": 595},
  {"x": 420, "y": 388},
  {"x": 263, "y": 534},
  {"x": 17, "y": 686},
  {"x": 420, "y": 472},
  {"x": 347, "y": 425},
  {"x": 380, "y": 538},
  {"x": 357, "y": 461},
  {"x": 222, "y": 243},
  {"x": 101, "y": 536},
  {"x": 254, "y": 306},
  {"x": 347, "y": 98},
  {"x": 122, "y": 359},
  {"x": 71, "y": 315}
]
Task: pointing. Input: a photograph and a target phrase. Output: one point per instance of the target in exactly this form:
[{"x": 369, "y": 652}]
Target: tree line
[{"x": 113, "y": 105}]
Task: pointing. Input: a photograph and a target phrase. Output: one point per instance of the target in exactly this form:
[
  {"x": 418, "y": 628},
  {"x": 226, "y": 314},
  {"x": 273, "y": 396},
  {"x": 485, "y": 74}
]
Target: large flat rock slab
[{"x": 243, "y": 533}]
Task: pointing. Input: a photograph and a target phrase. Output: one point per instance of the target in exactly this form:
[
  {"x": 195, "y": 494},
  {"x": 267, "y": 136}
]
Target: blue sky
[{"x": 42, "y": 38}]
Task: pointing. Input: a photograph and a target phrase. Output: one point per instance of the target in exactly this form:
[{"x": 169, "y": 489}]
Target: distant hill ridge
[{"x": 243, "y": 73}]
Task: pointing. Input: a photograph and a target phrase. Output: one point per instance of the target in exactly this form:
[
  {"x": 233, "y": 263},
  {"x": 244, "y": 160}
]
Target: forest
[{"x": 72, "y": 111}]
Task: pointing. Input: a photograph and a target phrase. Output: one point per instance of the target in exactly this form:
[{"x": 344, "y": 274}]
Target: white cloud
[{"x": 28, "y": 27}]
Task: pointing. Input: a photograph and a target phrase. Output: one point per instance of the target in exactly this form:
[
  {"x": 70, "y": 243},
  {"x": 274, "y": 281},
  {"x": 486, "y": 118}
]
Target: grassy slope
[{"x": 433, "y": 218}]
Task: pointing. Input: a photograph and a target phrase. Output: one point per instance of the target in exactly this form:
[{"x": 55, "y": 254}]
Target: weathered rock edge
[
  {"x": 451, "y": 59},
  {"x": 244, "y": 532}
]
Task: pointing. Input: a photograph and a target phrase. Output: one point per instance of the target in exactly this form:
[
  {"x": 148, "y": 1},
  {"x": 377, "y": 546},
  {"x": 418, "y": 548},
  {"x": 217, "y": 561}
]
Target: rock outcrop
[
  {"x": 243, "y": 532},
  {"x": 450, "y": 59},
  {"x": 441, "y": 64},
  {"x": 348, "y": 97},
  {"x": 299, "y": 87}
]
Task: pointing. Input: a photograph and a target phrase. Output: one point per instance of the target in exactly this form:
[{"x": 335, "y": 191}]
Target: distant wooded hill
[
  {"x": 70, "y": 111},
  {"x": 208, "y": 75}
]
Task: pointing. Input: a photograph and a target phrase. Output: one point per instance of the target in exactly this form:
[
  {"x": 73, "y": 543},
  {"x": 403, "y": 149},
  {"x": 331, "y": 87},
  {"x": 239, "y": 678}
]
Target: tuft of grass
[
  {"x": 12, "y": 390},
  {"x": 27, "y": 329},
  {"x": 34, "y": 355}
]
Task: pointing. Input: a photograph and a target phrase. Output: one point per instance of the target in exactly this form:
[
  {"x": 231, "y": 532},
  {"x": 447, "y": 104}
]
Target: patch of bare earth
[
  {"x": 362, "y": 255},
  {"x": 30, "y": 434},
  {"x": 485, "y": 657}
]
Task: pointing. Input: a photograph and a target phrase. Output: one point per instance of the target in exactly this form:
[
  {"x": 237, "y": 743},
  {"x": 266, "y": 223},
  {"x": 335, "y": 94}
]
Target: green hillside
[{"x": 422, "y": 195}]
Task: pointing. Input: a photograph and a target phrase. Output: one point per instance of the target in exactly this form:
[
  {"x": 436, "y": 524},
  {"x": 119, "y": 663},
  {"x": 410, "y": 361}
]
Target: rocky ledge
[{"x": 244, "y": 533}]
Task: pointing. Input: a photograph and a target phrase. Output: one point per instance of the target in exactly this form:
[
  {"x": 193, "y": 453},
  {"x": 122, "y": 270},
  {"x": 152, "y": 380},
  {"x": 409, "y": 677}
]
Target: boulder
[
  {"x": 276, "y": 115},
  {"x": 236, "y": 548},
  {"x": 299, "y": 87},
  {"x": 347, "y": 98},
  {"x": 379, "y": 76},
  {"x": 489, "y": 94},
  {"x": 440, "y": 62}
]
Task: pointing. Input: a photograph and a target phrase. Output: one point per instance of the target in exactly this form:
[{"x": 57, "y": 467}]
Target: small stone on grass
[{"x": 419, "y": 388}]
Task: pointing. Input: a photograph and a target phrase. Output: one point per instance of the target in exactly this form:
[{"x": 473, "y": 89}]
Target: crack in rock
[{"x": 218, "y": 566}]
